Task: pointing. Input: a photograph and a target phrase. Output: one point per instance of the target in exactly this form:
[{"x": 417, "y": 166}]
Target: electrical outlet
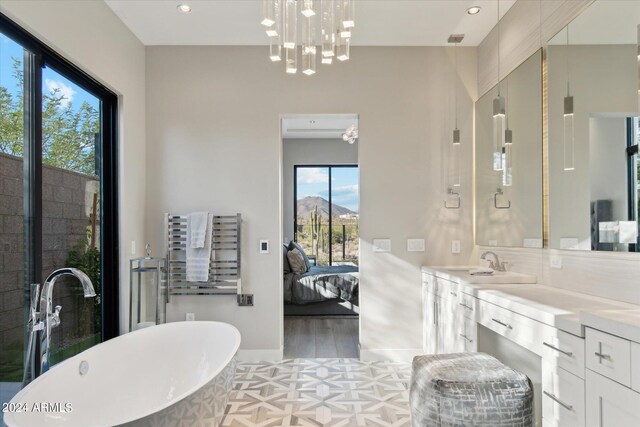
[
  {"x": 555, "y": 261},
  {"x": 493, "y": 243},
  {"x": 455, "y": 246},
  {"x": 190, "y": 317},
  {"x": 415, "y": 245}
]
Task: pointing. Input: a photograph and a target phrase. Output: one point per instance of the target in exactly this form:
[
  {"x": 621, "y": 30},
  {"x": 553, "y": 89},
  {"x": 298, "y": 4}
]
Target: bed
[
  {"x": 322, "y": 283},
  {"x": 318, "y": 284}
]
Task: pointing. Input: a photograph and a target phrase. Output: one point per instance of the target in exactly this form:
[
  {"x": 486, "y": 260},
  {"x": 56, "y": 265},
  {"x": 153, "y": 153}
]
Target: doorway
[{"x": 321, "y": 213}]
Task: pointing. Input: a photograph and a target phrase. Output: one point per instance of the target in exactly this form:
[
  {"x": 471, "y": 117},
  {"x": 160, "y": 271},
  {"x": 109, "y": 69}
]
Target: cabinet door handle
[
  {"x": 602, "y": 355},
  {"x": 466, "y": 337},
  {"x": 566, "y": 353},
  {"x": 468, "y": 307},
  {"x": 559, "y": 402},
  {"x": 453, "y": 293},
  {"x": 502, "y": 323}
]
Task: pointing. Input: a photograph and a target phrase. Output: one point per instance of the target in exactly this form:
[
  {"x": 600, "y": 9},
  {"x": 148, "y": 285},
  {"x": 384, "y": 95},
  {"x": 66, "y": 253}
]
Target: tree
[{"x": 68, "y": 134}]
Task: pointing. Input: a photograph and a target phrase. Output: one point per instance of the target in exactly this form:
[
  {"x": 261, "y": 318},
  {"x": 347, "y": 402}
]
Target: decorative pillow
[
  {"x": 307, "y": 263},
  {"x": 285, "y": 261},
  {"x": 296, "y": 261}
]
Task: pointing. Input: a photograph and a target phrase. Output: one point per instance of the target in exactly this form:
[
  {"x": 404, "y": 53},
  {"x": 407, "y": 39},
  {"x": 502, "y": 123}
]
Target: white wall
[
  {"x": 309, "y": 152},
  {"x": 91, "y": 36},
  {"x": 214, "y": 144}
]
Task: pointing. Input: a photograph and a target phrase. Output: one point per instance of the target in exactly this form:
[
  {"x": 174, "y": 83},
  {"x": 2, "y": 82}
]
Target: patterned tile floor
[{"x": 319, "y": 392}]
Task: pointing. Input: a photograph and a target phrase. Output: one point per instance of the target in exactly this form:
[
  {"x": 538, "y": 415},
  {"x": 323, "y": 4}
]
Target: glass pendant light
[
  {"x": 499, "y": 117},
  {"x": 348, "y": 14},
  {"x": 307, "y": 8},
  {"x": 327, "y": 29},
  {"x": 308, "y": 47},
  {"x": 342, "y": 48},
  {"x": 507, "y": 178},
  {"x": 275, "y": 38},
  {"x": 569, "y": 137},
  {"x": 290, "y": 23},
  {"x": 268, "y": 17},
  {"x": 456, "y": 150},
  {"x": 291, "y": 60}
]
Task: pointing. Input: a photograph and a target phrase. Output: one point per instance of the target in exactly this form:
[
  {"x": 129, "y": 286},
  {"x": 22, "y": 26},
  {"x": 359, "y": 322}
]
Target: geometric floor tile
[{"x": 319, "y": 392}]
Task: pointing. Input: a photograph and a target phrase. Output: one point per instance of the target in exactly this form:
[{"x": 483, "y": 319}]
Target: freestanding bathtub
[{"x": 176, "y": 374}]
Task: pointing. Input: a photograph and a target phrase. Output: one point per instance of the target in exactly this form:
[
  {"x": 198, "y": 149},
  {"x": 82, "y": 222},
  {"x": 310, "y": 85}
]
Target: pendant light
[
  {"x": 568, "y": 123},
  {"x": 455, "y": 150},
  {"x": 499, "y": 115}
]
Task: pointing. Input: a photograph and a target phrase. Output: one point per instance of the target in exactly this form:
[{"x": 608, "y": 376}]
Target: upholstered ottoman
[{"x": 468, "y": 389}]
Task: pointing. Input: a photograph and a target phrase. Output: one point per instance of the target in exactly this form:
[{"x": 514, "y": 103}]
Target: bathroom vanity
[{"x": 588, "y": 347}]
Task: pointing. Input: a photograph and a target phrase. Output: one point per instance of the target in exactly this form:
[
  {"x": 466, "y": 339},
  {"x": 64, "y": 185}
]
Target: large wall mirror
[
  {"x": 593, "y": 129},
  {"x": 509, "y": 159}
]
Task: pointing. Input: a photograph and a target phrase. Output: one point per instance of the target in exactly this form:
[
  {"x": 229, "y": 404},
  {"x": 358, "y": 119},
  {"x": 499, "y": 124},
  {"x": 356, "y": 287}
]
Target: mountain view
[{"x": 308, "y": 204}]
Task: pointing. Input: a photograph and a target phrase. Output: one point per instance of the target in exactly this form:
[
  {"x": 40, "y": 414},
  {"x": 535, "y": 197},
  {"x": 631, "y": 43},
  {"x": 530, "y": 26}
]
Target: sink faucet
[
  {"x": 48, "y": 318},
  {"x": 495, "y": 264}
]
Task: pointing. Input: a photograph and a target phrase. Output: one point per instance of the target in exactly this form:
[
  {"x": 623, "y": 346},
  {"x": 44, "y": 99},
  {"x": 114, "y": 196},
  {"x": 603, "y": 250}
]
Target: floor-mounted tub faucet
[{"x": 47, "y": 318}]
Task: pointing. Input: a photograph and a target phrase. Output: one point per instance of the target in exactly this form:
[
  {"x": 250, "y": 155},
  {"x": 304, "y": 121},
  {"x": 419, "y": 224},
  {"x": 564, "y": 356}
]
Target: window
[
  {"x": 326, "y": 213},
  {"x": 58, "y": 198}
]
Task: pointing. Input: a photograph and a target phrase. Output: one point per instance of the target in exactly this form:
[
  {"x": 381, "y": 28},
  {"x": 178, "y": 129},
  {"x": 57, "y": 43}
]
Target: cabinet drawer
[
  {"x": 526, "y": 332},
  {"x": 565, "y": 351},
  {"x": 562, "y": 397},
  {"x": 610, "y": 404},
  {"x": 635, "y": 366},
  {"x": 609, "y": 355},
  {"x": 467, "y": 304}
]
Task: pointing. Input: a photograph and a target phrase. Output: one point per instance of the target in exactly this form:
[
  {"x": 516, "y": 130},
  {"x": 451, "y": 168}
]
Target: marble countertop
[{"x": 566, "y": 310}]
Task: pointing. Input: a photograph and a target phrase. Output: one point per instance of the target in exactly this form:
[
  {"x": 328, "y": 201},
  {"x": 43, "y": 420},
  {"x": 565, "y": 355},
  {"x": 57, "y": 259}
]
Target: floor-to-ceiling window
[
  {"x": 326, "y": 212},
  {"x": 58, "y": 197}
]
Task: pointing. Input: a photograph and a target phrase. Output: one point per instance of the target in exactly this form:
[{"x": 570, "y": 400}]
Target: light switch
[
  {"x": 381, "y": 245},
  {"x": 133, "y": 247},
  {"x": 415, "y": 245},
  {"x": 568, "y": 243},
  {"x": 493, "y": 243},
  {"x": 455, "y": 246},
  {"x": 264, "y": 246}
]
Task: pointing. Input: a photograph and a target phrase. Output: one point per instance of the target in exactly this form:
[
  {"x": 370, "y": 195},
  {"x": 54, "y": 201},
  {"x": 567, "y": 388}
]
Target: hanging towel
[
  {"x": 198, "y": 258},
  {"x": 197, "y": 228}
]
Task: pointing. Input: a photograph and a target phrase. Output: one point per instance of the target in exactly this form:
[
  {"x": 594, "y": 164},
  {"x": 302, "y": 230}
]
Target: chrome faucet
[
  {"x": 47, "y": 318},
  {"x": 495, "y": 264}
]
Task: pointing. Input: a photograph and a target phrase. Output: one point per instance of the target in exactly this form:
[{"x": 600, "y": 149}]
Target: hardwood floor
[{"x": 320, "y": 337}]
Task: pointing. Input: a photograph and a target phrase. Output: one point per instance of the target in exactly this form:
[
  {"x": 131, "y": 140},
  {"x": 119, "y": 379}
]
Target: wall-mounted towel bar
[{"x": 225, "y": 263}]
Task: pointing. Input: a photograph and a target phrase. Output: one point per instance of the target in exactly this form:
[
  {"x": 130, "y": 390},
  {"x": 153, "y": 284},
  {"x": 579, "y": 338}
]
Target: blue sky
[
  {"x": 50, "y": 79},
  {"x": 344, "y": 185}
]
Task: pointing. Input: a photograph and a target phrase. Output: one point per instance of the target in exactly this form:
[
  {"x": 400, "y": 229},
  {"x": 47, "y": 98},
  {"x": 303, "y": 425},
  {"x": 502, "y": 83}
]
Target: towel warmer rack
[{"x": 225, "y": 262}]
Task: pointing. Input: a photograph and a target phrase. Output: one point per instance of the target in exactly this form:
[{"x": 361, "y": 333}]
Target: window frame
[
  {"x": 632, "y": 150},
  {"x": 41, "y": 56}
]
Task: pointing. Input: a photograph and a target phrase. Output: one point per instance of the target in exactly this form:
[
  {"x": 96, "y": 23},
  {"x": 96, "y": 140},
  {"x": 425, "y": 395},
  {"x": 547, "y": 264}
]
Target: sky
[
  {"x": 344, "y": 185},
  {"x": 50, "y": 79}
]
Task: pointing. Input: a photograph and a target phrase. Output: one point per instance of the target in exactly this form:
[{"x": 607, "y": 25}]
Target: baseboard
[
  {"x": 392, "y": 354},
  {"x": 260, "y": 355}
]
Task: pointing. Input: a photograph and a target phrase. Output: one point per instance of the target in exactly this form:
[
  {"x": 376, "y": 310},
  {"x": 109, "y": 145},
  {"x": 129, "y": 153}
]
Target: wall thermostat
[{"x": 264, "y": 246}]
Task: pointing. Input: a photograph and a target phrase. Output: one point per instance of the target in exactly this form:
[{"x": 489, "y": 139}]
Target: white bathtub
[{"x": 167, "y": 375}]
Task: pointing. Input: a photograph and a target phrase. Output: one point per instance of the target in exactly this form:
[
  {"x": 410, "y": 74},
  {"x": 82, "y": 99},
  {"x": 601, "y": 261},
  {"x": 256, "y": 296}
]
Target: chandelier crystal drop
[{"x": 326, "y": 28}]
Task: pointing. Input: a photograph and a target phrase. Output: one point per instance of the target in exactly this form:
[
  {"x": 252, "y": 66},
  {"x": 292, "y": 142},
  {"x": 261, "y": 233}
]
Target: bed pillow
[
  {"x": 285, "y": 261},
  {"x": 307, "y": 263},
  {"x": 296, "y": 261}
]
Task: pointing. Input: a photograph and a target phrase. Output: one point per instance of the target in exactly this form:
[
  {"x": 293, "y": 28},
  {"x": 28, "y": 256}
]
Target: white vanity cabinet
[
  {"x": 448, "y": 317},
  {"x": 610, "y": 399}
]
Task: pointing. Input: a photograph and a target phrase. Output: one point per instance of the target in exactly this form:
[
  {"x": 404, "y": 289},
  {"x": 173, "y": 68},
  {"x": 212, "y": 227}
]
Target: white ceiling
[
  {"x": 317, "y": 126},
  {"x": 378, "y": 22}
]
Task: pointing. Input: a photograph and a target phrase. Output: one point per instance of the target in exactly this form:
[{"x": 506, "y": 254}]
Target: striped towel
[{"x": 198, "y": 258}]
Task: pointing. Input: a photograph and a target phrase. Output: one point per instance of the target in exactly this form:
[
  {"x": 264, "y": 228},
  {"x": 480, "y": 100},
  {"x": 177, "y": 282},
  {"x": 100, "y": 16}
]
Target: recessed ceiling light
[
  {"x": 474, "y": 10},
  {"x": 184, "y": 8}
]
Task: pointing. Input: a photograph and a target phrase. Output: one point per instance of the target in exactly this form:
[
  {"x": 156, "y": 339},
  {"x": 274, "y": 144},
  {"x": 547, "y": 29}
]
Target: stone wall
[{"x": 67, "y": 205}]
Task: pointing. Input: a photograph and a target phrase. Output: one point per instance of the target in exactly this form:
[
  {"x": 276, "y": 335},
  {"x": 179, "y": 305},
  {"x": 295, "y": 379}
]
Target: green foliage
[
  {"x": 68, "y": 134},
  {"x": 88, "y": 260}
]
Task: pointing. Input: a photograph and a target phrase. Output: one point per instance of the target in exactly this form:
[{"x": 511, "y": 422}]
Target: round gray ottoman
[{"x": 468, "y": 389}]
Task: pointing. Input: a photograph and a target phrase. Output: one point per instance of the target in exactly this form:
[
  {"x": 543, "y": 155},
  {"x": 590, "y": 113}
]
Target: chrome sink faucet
[
  {"x": 47, "y": 318},
  {"x": 495, "y": 264}
]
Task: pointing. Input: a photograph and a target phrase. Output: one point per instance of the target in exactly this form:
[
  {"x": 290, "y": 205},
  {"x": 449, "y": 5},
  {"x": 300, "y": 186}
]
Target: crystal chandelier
[{"x": 331, "y": 20}]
